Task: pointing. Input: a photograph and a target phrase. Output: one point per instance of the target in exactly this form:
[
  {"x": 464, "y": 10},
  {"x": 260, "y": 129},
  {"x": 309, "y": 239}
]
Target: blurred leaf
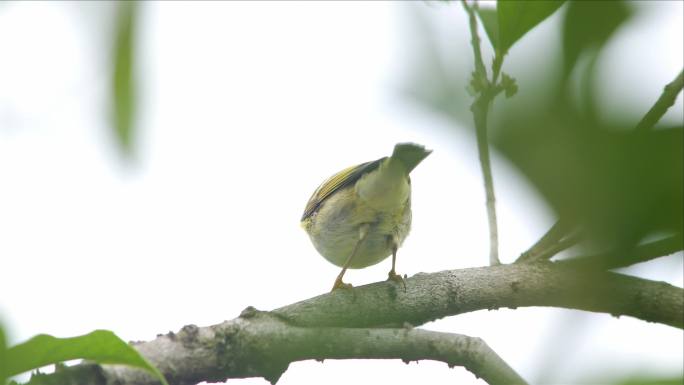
[
  {"x": 3, "y": 357},
  {"x": 489, "y": 19},
  {"x": 618, "y": 184},
  {"x": 651, "y": 381},
  {"x": 589, "y": 25},
  {"x": 101, "y": 346},
  {"x": 437, "y": 83},
  {"x": 516, "y": 18},
  {"x": 123, "y": 82}
]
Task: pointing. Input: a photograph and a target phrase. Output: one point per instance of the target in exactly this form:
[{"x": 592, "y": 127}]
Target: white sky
[{"x": 245, "y": 109}]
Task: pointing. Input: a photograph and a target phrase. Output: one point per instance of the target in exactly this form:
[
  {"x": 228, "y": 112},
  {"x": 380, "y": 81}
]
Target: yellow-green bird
[{"x": 362, "y": 214}]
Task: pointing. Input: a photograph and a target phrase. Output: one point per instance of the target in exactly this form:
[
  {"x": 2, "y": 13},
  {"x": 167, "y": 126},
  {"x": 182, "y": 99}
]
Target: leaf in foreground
[
  {"x": 516, "y": 18},
  {"x": 123, "y": 81},
  {"x": 3, "y": 357},
  {"x": 101, "y": 346}
]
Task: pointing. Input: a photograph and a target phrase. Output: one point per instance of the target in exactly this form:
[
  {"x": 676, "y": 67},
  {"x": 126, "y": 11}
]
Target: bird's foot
[
  {"x": 393, "y": 276},
  {"x": 340, "y": 285}
]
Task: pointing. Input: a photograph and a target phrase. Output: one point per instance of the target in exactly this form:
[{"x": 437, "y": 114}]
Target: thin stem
[
  {"x": 553, "y": 235},
  {"x": 475, "y": 38},
  {"x": 664, "y": 102},
  {"x": 496, "y": 66},
  {"x": 559, "y": 237},
  {"x": 641, "y": 253},
  {"x": 480, "y": 109},
  {"x": 567, "y": 242}
]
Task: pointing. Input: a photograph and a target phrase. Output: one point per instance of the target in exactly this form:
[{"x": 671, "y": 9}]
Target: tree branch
[
  {"x": 664, "y": 102},
  {"x": 259, "y": 344},
  {"x": 343, "y": 324},
  {"x": 432, "y": 296}
]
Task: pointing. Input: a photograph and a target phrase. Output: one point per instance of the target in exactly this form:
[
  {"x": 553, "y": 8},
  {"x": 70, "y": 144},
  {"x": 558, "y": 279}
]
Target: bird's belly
[
  {"x": 337, "y": 247},
  {"x": 336, "y": 230}
]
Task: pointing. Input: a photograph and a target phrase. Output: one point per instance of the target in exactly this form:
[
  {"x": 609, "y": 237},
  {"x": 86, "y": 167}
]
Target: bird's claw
[
  {"x": 393, "y": 276},
  {"x": 340, "y": 285}
]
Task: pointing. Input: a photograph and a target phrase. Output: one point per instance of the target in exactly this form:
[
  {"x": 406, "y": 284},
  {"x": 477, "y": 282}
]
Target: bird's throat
[{"x": 385, "y": 188}]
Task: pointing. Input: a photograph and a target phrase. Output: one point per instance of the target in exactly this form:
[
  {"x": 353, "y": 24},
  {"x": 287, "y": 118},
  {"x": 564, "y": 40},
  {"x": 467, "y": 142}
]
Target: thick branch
[
  {"x": 258, "y": 344},
  {"x": 664, "y": 102},
  {"x": 338, "y": 325},
  {"x": 437, "y": 295}
]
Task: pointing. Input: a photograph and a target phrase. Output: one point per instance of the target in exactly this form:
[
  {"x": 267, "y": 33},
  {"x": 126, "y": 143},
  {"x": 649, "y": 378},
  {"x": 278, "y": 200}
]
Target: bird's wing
[{"x": 342, "y": 179}]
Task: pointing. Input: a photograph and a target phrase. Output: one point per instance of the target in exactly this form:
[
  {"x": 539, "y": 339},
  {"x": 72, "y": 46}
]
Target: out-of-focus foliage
[
  {"x": 620, "y": 186},
  {"x": 436, "y": 85},
  {"x": 100, "y": 346},
  {"x": 123, "y": 80},
  {"x": 651, "y": 381},
  {"x": 513, "y": 19},
  {"x": 589, "y": 25},
  {"x": 3, "y": 357}
]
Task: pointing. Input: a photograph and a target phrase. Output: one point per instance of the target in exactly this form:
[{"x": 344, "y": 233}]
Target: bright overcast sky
[{"x": 245, "y": 108}]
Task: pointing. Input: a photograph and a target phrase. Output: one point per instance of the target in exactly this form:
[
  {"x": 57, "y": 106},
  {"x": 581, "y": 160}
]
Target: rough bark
[{"x": 375, "y": 321}]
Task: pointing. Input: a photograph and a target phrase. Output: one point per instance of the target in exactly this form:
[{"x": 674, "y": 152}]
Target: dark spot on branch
[
  {"x": 392, "y": 292},
  {"x": 248, "y": 312},
  {"x": 452, "y": 296},
  {"x": 188, "y": 335}
]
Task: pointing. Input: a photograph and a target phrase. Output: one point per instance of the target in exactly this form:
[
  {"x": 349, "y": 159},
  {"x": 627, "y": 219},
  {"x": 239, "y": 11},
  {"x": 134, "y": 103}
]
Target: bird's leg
[
  {"x": 392, "y": 275},
  {"x": 363, "y": 232}
]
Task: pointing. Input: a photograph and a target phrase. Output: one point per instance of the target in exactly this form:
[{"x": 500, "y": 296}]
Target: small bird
[{"x": 361, "y": 215}]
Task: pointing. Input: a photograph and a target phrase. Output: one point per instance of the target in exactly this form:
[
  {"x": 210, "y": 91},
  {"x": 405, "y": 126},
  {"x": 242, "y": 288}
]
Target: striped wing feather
[{"x": 342, "y": 179}]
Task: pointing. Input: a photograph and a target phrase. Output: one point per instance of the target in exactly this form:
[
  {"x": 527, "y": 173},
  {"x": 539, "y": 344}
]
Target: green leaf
[
  {"x": 101, "y": 346},
  {"x": 489, "y": 19},
  {"x": 3, "y": 357},
  {"x": 589, "y": 25},
  {"x": 618, "y": 185},
  {"x": 123, "y": 81},
  {"x": 651, "y": 381},
  {"x": 516, "y": 18}
]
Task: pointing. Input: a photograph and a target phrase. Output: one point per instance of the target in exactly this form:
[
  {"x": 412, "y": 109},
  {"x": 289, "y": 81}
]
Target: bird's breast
[{"x": 335, "y": 228}]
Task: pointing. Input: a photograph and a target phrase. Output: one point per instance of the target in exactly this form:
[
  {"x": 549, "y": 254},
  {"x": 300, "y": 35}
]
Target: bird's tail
[{"x": 410, "y": 154}]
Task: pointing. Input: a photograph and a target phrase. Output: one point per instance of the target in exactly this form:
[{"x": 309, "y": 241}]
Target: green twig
[
  {"x": 496, "y": 66},
  {"x": 665, "y": 101},
  {"x": 475, "y": 38},
  {"x": 570, "y": 239},
  {"x": 552, "y": 237},
  {"x": 480, "y": 109},
  {"x": 641, "y": 253}
]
